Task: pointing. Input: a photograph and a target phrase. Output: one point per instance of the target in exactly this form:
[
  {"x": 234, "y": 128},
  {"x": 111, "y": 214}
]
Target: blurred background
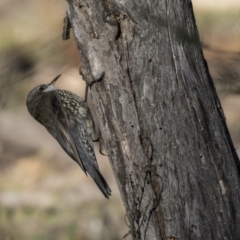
[{"x": 44, "y": 194}]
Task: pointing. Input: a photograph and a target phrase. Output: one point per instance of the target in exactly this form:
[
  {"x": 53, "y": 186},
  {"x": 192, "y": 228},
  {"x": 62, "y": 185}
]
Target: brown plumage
[{"x": 68, "y": 119}]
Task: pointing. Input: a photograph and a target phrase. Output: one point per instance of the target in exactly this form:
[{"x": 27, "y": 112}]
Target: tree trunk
[{"x": 160, "y": 117}]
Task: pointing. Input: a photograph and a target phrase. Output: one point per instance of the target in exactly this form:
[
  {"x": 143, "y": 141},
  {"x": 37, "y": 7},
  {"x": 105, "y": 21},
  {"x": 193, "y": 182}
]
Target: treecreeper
[{"x": 68, "y": 119}]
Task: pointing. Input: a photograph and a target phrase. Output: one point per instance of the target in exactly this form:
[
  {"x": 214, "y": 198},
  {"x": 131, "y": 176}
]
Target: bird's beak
[
  {"x": 50, "y": 86},
  {"x": 55, "y": 79}
]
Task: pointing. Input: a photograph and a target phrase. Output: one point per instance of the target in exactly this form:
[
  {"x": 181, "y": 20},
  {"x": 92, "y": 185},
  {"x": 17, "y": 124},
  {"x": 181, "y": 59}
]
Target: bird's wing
[
  {"x": 83, "y": 119},
  {"x": 63, "y": 132},
  {"x": 86, "y": 151},
  {"x": 80, "y": 143}
]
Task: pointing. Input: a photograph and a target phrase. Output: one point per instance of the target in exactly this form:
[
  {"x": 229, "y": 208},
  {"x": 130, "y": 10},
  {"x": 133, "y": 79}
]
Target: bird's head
[{"x": 37, "y": 93}]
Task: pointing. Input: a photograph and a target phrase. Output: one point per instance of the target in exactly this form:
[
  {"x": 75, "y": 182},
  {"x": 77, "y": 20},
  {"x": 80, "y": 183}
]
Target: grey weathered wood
[{"x": 160, "y": 117}]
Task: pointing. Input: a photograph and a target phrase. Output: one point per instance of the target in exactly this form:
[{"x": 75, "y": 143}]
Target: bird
[{"x": 68, "y": 119}]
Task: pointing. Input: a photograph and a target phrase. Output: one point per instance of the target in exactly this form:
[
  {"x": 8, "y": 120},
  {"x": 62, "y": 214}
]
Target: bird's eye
[{"x": 41, "y": 88}]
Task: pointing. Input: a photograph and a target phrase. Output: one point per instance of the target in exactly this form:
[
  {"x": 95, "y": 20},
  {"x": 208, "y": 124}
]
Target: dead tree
[{"x": 161, "y": 120}]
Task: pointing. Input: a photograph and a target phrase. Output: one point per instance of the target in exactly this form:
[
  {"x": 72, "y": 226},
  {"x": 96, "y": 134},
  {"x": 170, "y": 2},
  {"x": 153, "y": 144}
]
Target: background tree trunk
[{"x": 161, "y": 120}]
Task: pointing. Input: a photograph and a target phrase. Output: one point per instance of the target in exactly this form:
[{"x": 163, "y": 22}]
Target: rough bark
[{"x": 160, "y": 117}]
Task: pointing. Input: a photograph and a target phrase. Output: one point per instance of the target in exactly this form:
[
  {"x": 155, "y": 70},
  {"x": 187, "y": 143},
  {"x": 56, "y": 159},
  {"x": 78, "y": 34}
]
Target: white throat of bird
[{"x": 49, "y": 88}]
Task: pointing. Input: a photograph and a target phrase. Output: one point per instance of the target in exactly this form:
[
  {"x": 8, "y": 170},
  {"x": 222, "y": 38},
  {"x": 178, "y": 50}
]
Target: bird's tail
[
  {"x": 101, "y": 183},
  {"x": 89, "y": 164}
]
